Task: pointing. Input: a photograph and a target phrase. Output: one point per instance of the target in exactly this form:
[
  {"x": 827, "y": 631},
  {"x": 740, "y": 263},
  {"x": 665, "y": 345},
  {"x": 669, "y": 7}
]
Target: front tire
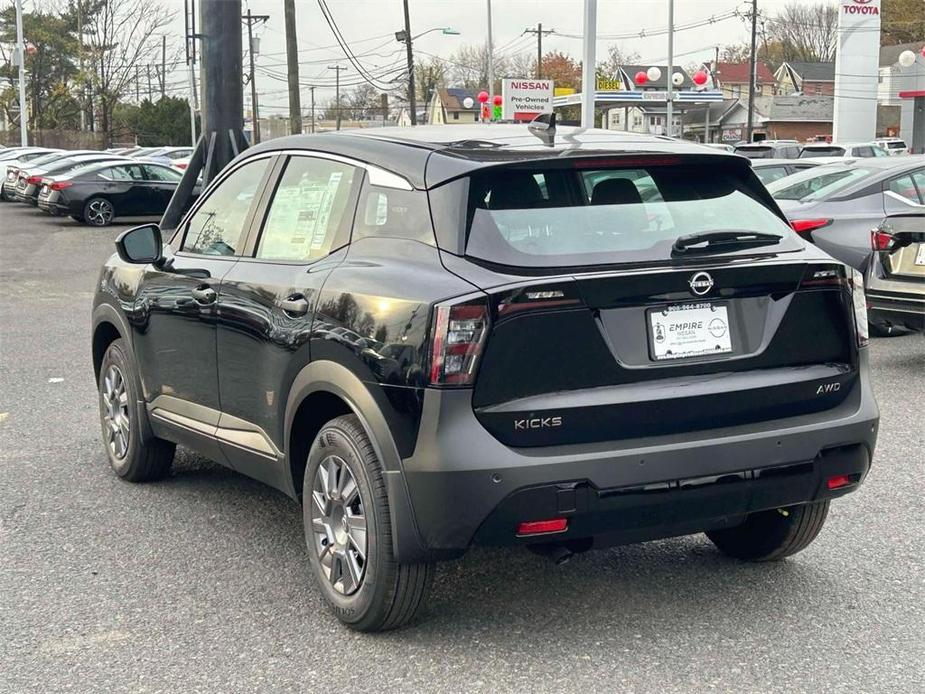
[
  {"x": 772, "y": 535},
  {"x": 132, "y": 456},
  {"x": 347, "y": 528},
  {"x": 99, "y": 212}
]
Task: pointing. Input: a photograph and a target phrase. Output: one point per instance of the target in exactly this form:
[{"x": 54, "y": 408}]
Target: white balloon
[
  {"x": 654, "y": 74},
  {"x": 907, "y": 58},
  {"x": 468, "y": 102},
  {"x": 677, "y": 79}
]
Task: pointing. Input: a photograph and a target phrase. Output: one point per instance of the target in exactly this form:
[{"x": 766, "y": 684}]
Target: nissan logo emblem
[{"x": 701, "y": 283}]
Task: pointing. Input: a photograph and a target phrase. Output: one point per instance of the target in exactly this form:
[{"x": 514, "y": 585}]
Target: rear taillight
[
  {"x": 60, "y": 185},
  {"x": 860, "y": 307},
  {"x": 806, "y": 227},
  {"x": 881, "y": 240},
  {"x": 459, "y": 334},
  {"x": 34, "y": 180},
  {"x": 181, "y": 165}
]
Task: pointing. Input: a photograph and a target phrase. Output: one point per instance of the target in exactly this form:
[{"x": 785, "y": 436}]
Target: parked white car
[
  {"x": 892, "y": 145},
  {"x": 842, "y": 149}
]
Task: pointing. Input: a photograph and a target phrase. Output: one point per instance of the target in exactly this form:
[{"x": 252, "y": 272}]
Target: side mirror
[{"x": 141, "y": 245}]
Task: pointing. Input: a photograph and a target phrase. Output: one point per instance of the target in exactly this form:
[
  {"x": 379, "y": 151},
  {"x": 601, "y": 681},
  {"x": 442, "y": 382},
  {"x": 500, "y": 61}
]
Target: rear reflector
[
  {"x": 838, "y": 481},
  {"x": 542, "y": 527},
  {"x": 805, "y": 227}
]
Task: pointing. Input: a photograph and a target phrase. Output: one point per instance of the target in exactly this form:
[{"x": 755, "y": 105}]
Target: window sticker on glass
[{"x": 306, "y": 210}]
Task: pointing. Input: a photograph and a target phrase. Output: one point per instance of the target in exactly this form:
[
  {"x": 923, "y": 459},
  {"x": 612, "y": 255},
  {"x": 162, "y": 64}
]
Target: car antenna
[{"x": 544, "y": 127}]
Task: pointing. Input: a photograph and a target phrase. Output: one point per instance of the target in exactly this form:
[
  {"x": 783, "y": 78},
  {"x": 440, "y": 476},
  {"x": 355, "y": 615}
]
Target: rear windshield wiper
[{"x": 720, "y": 241}]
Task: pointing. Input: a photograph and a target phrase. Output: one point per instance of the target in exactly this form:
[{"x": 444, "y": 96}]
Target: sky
[{"x": 369, "y": 26}]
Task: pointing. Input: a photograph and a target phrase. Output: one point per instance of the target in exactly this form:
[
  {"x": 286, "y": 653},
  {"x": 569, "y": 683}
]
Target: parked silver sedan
[
  {"x": 835, "y": 206},
  {"x": 895, "y": 277}
]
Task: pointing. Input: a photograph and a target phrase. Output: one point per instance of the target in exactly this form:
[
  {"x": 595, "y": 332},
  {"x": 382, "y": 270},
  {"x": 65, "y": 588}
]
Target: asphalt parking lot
[{"x": 200, "y": 582}]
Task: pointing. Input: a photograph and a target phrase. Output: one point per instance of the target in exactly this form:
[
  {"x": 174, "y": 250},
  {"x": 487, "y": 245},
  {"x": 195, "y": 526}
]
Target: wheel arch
[
  {"x": 108, "y": 326},
  {"x": 336, "y": 390}
]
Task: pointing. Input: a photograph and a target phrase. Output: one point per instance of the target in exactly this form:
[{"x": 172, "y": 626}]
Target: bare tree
[
  {"x": 120, "y": 35},
  {"x": 469, "y": 67},
  {"x": 805, "y": 33},
  {"x": 521, "y": 65},
  {"x": 615, "y": 59},
  {"x": 428, "y": 75}
]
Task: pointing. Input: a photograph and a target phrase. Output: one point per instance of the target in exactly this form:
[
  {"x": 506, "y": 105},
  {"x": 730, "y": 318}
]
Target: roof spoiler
[{"x": 544, "y": 127}]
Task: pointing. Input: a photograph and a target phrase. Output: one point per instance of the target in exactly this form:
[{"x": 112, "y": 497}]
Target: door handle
[
  {"x": 204, "y": 295},
  {"x": 296, "y": 305}
]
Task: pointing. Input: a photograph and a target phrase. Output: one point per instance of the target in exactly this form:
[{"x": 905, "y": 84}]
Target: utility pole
[
  {"x": 150, "y": 92},
  {"x": 751, "y": 75},
  {"x": 337, "y": 70},
  {"x": 222, "y": 102},
  {"x": 412, "y": 106},
  {"x": 670, "y": 94},
  {"x": 312, "y": 125},
  {"x": 137, "y": 92},
  {"x": 163, "y": 66},
  {"x": 252, "y": 19},
  {"x": 539, "y": 47},
  {"x": 292, "y": 63},
  {"x": 491, "y": 63},
  {"x": 21, "y": 52}
]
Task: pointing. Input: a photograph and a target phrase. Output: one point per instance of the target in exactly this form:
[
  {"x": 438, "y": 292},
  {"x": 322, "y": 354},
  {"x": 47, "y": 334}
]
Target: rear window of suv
[{"x": 578, "y": 216}]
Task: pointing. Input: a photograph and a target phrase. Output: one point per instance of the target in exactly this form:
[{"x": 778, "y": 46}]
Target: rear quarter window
[{"x": 392, "y": 213}]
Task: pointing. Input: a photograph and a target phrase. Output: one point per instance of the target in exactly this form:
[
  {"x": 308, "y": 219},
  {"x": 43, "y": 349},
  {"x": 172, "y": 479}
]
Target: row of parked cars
[
  {"x": 92, "y": 186},
  {"x": 792, "y": 149}
]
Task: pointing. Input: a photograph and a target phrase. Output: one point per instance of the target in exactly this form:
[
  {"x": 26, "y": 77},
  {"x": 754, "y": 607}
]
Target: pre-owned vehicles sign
[{"x": 525, "y": 99}]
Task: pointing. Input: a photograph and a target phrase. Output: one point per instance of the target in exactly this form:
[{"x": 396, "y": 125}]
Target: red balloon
[
  {"x": 700, "y": 78},
  {"x": 497, "y": 101},
  {"x": 641, "y": 78},
  {"x": 483, "y": 97}
]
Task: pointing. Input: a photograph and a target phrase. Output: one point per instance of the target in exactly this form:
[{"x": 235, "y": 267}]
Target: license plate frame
[
  {"x": 920, "y": 255},
  {"x": 713, "y": 337}
]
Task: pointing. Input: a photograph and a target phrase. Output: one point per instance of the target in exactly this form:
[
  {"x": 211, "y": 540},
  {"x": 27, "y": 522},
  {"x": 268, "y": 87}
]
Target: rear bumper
[
  {"x": 465, "y": 487},
  {"x": 55, "y": 208}
]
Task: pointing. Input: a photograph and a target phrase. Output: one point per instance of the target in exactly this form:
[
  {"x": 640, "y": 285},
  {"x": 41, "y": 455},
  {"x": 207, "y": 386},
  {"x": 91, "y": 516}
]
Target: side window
[
  {"x": 394, "y": 213},
  {"x": 906, "y": 188},
  {"x": 216, "y": 227},
  {"x": 770, "y": 173},
  {"x": 919, "y": 178},
  {"x": 309, "y": 208},
  {"x": 162, "y": 173},
  {"x": 131, "y": 172}
]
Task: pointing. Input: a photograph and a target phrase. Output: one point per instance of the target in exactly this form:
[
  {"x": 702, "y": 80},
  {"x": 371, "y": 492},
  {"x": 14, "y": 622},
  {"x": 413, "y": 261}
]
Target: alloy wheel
[
  {"x": 99, "y": 212},
  {"x": 115, "y": 411},
  {"x": 339, "y": 525}
]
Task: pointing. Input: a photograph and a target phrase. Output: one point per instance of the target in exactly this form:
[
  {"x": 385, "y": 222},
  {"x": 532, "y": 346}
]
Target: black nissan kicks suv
[{"x": 437, "y": 337}]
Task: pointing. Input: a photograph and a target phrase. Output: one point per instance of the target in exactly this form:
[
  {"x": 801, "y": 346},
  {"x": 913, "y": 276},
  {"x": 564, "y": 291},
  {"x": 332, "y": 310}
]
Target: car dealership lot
[{"x": 201, "y": 582}]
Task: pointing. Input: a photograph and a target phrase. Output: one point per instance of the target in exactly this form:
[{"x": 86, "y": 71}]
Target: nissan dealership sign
[{"x": 525, "y": 99}]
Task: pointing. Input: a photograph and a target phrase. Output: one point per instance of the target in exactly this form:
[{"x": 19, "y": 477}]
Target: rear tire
[
  {"x": 349, "y": 535},
  {"x": 132, "y": 456},
  {"x": 772, "y": 535},
  {"x": 99, "y": 212}
]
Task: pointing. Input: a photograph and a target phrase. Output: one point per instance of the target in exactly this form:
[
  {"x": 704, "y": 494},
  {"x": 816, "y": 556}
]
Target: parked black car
[
  {"x": 97, "y": 195},
  {"x": 437, "y": 337},
  {"x": 31, "y": 179}
]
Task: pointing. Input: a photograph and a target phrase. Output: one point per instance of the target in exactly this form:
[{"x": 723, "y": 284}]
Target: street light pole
[
  {"x": 412, "y": 106},
  {"x": 21, "y": 51},
  {"x": 669, "y": 108},
  {"x": 491, "y": 61},
  {"x": 588, "y": 65}
]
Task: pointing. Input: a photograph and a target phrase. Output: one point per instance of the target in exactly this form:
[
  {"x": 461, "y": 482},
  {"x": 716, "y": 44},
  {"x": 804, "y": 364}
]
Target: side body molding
[{"x": 334, "y": 378}]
